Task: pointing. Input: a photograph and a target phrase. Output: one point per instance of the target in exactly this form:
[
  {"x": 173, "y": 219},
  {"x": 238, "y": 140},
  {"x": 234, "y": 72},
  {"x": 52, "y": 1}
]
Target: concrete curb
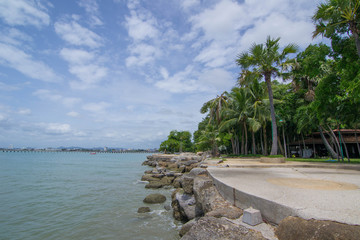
[{"x": 270, "y": 211}]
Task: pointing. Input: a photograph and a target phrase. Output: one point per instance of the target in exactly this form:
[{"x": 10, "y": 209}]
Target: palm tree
[
  {"x": 341, "y": 16},
  {"x": 236, "y": 114},
  {"x": 267, "y": 61}
]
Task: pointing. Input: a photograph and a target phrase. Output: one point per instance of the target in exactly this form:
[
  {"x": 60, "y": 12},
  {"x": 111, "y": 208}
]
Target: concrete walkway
[{"x": 291, "y": 189}]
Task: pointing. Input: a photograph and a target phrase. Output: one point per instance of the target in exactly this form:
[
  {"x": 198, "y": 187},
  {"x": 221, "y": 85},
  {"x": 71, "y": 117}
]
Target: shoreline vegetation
[
  {"x": 205, "y": 214},
  {"x": 314, "y": 111}
]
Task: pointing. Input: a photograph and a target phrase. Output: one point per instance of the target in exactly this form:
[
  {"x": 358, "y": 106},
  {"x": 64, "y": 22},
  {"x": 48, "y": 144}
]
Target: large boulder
[
  {"x": 186, "y": 227},
  {"x": 187, "y": 206},
  {"x": 211, "y": 202},
  {"x": 294, "y": 228},
  {"x": 155, "y": 198},
  {"x": 207, "y": 228},
  {"x": 187, "y": 183}
]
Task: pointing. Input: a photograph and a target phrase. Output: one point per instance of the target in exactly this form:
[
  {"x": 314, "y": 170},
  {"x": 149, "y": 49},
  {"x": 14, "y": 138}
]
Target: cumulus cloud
[
  {"x": 19, "y": 60},
  {"x": 75, "y": 34},
  {"x": 83, "y": 65},
  {"x": 24, "y": 12}
]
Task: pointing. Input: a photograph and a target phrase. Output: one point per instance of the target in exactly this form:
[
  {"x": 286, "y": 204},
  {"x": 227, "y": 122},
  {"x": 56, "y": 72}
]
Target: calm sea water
[{"x": 78, "y": 196}]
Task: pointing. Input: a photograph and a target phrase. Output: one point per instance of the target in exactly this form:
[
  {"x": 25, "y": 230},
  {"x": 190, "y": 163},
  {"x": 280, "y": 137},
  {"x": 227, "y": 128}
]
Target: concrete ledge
[
  {"x": 271, "y": 211},
  {"x": 272, "y": 160}
]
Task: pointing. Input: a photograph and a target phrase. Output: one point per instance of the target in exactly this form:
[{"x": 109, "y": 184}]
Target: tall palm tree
[
  {"x": 341, "y": 16},
  {"x": 268, "y": 61}
]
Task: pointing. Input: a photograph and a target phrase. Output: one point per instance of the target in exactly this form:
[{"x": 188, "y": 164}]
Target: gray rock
[
  {"x": 154, "y": 185},
  {"x": 187, "y": 183},
  {"x": 143, "y": 210},
  {"x": 207, "y": 228},
  {"x": 167, "y": 207},
  {"x": 186, "y": 227},
  {"x": 187, "y": 206},
  {"x": 155, "y": 198},
  {"x": 294, "y": 228},
  {"x": 227, "y": 211},
  {"x": 148, "y": 177},
  {"x": 197, "y": 171}
]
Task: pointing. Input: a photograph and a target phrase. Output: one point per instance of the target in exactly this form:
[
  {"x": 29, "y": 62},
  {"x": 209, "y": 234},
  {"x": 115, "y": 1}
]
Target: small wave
[{"x": 140, "y": 182}]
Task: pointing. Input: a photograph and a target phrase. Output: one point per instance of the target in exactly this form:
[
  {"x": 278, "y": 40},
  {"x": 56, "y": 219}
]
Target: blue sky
[{"x": 124, "y": 73}]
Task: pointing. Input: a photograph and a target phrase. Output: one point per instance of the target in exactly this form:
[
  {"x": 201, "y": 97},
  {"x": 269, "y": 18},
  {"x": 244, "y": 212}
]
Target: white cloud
[
  {"x": 142, "y": 54},
  {"x": 23, "y": 12},
  {"x": 48, "y": 95},
  {"x": 75, "y": 34},
  {"x": 77, "y": 56},
  {"x": 141, "y": 25},
  {"x": 13, "y": 36},
  {"x": 92, "y": 8},
  {"x": 55, "y": 128},
  {"x": 187, "y": 4},
  {"x": 96, "y": 107},
  {"x": 17, "y": 59},
  {"x": 24, "y": 111},
  {"x": 84, "y": 66},
  {"x": 73, "y": 114}
]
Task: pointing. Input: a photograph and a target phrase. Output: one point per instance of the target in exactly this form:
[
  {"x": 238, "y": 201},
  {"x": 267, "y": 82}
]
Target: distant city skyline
[{"x": 126, "y": 72}]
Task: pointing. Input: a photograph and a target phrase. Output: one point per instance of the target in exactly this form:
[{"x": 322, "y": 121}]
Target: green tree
[
  {"x": 268, "y": 61},
  {"x": 338, "y": 17},
  {"x": 177, "y": 142}
]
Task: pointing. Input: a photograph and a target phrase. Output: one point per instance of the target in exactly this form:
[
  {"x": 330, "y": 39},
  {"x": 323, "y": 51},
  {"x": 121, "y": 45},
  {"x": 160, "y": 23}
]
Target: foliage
[{"x": 177, "y": 142}]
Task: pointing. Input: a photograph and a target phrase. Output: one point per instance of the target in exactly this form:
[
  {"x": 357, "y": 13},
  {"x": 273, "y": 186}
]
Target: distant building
[{"x": 305, "y": 148}]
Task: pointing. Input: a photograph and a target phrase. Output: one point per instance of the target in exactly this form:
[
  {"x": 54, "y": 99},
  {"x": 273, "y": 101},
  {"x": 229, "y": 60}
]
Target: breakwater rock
[{"x": 196, "y": 201}]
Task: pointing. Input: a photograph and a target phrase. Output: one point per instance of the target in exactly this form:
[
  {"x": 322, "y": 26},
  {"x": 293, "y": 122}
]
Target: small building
[{"x": 305, "y": 148}]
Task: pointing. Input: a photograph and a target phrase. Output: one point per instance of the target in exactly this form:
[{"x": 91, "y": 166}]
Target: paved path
[{"x": 308, "y": 192}]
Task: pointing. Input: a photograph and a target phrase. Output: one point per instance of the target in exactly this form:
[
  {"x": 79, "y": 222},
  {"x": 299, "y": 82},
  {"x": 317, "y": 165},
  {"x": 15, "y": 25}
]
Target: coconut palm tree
[
  {"x": 268, "y": 61},
  {"x": 338, "y": 16}
]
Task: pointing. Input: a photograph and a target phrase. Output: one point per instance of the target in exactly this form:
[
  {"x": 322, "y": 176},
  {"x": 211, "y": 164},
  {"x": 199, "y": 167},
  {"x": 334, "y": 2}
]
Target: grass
[
  {"x": 323, "y": 160},
  {"x": 320, "y": 160}
]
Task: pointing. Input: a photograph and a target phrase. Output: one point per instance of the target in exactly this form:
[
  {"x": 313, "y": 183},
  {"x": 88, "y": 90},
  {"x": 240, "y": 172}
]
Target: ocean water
[{"x": 63, "y": 195}]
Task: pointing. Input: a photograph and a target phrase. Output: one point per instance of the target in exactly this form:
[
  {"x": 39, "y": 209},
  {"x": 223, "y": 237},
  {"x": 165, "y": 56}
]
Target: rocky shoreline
[{"x": 207, "y": 215}]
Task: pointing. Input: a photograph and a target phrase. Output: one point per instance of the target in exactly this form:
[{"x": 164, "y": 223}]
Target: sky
[{"x": 124, "y": 73}]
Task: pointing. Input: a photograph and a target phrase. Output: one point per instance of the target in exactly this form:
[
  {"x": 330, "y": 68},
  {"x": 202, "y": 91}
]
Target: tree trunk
[
  {"x": 261, "y": 142},
  {"x": 346, "y": 150},
  {"x": 354, "y": 30},
  {"x": 253, "y": 143},
  {"x": 314, "y": 149},
  {"x": 243, "y": 142},
  {"x": 357, "y": 141},
  {"x": 246, "y": 139},
  {"x": 265, "y": 142},
  {"x": 280, "y": 146},
  {"x": 327, "y": 145},
  {"x": 274, "y": 146},
  {"x": 337, "y": 143},
  {"x": 284, "y": 142}
]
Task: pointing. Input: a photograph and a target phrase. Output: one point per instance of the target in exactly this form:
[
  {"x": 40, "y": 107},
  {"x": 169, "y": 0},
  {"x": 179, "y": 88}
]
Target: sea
[{"x": 78, "y": 195}]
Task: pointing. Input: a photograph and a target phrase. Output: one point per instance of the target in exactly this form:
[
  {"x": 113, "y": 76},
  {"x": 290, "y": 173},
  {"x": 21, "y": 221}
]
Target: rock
[
  {"x": 167, "y": 180},
  {"x": 143, "y": 210},
  {"x": 187, "y": 183},
  {"x": 155, "y": 198},
  {"x": 294, "y": 228},
  {"x": 228, "y": 211},
  {"x": 148, "y": 171},
  {"x": 198, "y": 171},
  {"x": 177, "y": 182},
  {"x": 148, "y": 177},
  {"x": 154, "y": 184},
  {"x": 167, "y": 207},
  {"x": 219, "y": 228},
  {"x": 188, "y": 163},
  {"x": 176, "y": 207},
  {"x": 186, "y": 227},
  {"x": 187, "y": 206}
]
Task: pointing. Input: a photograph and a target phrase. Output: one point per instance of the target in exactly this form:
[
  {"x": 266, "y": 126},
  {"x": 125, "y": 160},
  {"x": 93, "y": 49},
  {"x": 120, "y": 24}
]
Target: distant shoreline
[{"x": 78, "y": 150}]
